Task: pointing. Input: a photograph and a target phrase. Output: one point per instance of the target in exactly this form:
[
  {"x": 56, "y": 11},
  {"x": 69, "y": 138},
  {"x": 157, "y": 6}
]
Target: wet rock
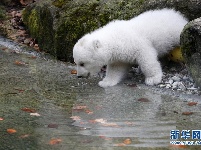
[
  {"x": 191, "y": 48},
  {"x": 58, "y": 24}
]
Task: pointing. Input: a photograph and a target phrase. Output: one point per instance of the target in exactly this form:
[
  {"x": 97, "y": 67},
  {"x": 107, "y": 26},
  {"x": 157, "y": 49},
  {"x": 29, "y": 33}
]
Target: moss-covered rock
[
  {"x": 58, "y": 24},
  {"x": 191, "y": 48}
]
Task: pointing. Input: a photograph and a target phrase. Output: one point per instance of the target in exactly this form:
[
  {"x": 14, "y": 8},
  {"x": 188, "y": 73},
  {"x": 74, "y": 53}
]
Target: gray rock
[{"x": 191, "y": 48}]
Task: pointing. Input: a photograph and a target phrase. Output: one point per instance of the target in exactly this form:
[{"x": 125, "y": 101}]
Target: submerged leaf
[
  {"x": 11, "y": 131},
  {"x": 55, "y": 141},
  {"x": 192, "y": 103},
  {"x": 29, "y": 110}
]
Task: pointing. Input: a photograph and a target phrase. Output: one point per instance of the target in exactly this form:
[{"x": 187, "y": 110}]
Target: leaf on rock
[
  {"x": 29, "y": 110},
  {"x": 73, "y": 71},
  {"x": 187, "y": 113},
  {"x": 11, "y": 131},
  {"x": 192, "y": 103},
  {"x": 55, "y": 141},
  {"x": 1, "y": 119}
]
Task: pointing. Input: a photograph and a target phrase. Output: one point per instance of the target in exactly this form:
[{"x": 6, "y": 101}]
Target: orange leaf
[
  {"x": 1, "y": 119},
  {"x": 178, "y": 146},
  {"x": 29, "y": 110},
  {"x": 55, "y": 141},
  {"x": 19, "y": 63},
  {"x": 11, "y": 131},
  {"x": 73, "y": 71},
  {"x": 127, "y": 141},
  {"x": 187, "y": 113},
  {"x": 192, "y": 103}
]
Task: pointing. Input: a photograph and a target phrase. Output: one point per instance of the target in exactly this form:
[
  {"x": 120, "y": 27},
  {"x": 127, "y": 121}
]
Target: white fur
[{"x": 122, "y": 43}]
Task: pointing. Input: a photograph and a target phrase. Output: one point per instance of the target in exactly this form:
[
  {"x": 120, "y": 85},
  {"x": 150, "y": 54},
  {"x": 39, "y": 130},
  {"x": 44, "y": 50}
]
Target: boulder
[
  {"x": 58, "y": 24},
  {"x": 191, "y": 48}
]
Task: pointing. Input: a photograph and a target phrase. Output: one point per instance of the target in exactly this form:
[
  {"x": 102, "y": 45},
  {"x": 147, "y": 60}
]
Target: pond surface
[{"x": 43, "y": 106}]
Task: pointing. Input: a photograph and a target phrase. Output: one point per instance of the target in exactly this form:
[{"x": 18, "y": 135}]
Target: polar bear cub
[{"x": 121, "y": 43}]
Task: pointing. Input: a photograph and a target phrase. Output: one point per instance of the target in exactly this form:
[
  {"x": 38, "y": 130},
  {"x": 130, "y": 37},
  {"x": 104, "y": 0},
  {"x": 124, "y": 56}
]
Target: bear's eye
[{"x": 82, "y": 64}]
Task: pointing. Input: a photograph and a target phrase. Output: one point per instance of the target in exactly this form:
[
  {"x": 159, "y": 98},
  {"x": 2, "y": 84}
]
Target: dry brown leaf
[
  {"x": 52, "y": 125},
  {"x": 89, "y": 111},
  {"x": 127, "y": 141},
  {"x": 1, "y": 119},
  {"x": 143, "y": 100},
  {"x": 55, "y": 141},
  {"x": 192, "y": 103},
  {"x": 29, "y": 110},
  {"x": 11, "y": 131},
  {"x": 73, "y": 71},
  {"x": 187, "y": 113},
  {"x": 20, "y": 63}
]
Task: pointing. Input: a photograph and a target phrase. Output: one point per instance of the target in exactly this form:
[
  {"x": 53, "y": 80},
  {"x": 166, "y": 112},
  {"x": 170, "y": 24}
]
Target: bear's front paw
[
  {"x": 153, "y": 80},
  {"x": 106, "y": 83}
]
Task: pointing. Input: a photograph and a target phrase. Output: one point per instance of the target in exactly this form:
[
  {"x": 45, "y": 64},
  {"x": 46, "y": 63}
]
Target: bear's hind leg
[{"x": 114, "y": 74}]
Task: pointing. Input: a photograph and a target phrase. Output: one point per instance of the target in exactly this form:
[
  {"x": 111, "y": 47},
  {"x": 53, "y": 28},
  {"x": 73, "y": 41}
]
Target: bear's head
[{"x": 87, "y": 56}]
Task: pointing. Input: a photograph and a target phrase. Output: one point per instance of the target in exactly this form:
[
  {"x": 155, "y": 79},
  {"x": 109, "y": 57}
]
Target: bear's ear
[
  {"x": 81, "y": 42},
  {"x": 96, "y": 44}
]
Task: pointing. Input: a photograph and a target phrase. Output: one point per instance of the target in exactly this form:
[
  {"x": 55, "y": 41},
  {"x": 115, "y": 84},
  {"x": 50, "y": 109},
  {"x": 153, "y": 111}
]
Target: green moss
[
  {"x": 58, "y": 3},
  {"x": 34, "y": 23}
]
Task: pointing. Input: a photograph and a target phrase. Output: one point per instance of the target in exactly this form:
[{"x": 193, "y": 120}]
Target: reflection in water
[{"x": 118, "y": 113}]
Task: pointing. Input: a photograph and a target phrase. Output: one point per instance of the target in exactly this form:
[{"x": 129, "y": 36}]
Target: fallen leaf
[
  {"x": 1, "y": 119},
  {"x": 52, "y": 125},
  {"x": 120, "y": 144},
  {"x": 107, "y": 124},
  {"x": 55, "y": 141},
  {"x": 29, "y": 110},
  {"x": 143, "y": 100},
  {"x": 100, "y": 120},
  {"x": 20, "y": 63},
  {"x": 75, "y": 118},
  {"x": 192, "y": 103},
  {"x": 79, "y": 107},
  {"x": 187, "y": 113},
  {"x": 35, "y": 114},
  {"x": 24, "y": 136},
  {"x": 73, "y": 71},
  {"x": 178, "y": 146},
  {"x": 11, "y": 131},
  {"x": 127, "y": 141},
  {"x": 89, "y": 111},
  {"x": 129, "y": 123}
]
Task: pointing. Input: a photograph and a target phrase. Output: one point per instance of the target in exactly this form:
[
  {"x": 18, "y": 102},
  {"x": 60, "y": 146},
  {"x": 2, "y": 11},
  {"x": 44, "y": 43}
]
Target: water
[{"x": 49, "y": 108}]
